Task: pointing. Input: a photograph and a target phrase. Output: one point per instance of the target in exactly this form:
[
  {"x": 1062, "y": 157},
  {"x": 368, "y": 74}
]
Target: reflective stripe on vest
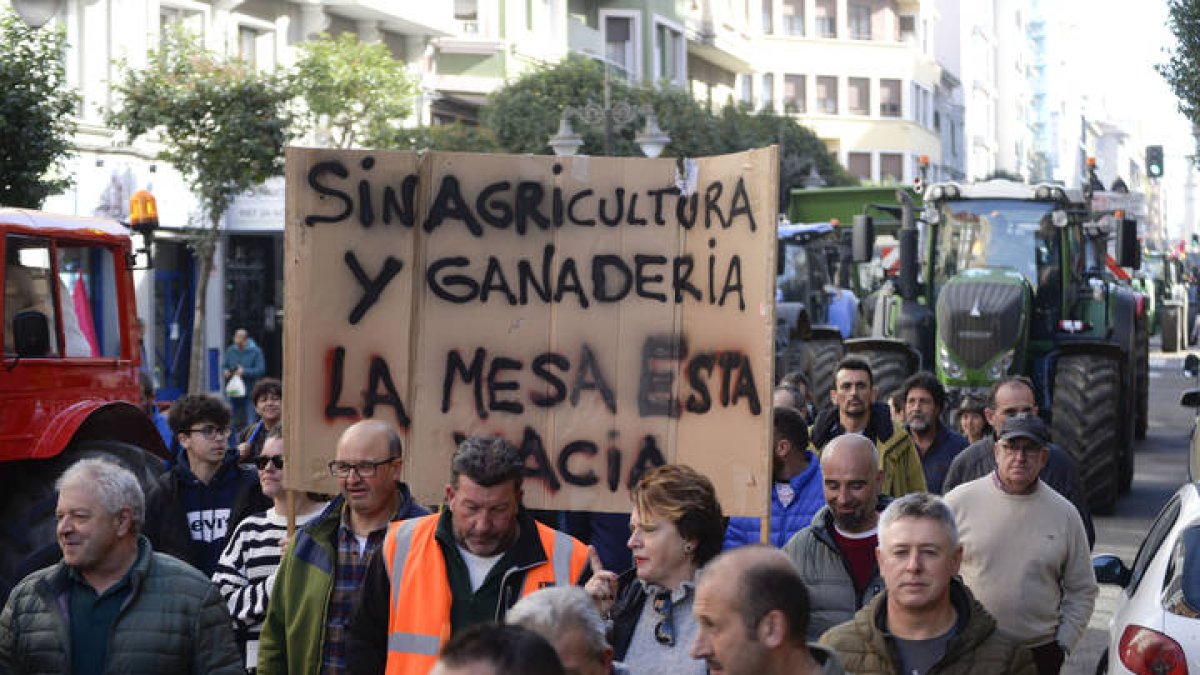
[
  {"x": 414, "y": 643},
  {"x": 563, "y": 544},
  {"x": 400, "y": 558}
]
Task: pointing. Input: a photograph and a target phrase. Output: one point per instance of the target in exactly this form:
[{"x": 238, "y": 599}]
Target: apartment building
[
  {"x": 862, "y": 74},
  {"x": 246, "y": 288}
]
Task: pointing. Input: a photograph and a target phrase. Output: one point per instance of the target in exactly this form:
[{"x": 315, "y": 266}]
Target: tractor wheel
[
  {"x": 1170, "y": 329},
  {"x": 28, "y": 500},
  {"x": 1086, "y": 423},
  {"x": 1141, "y": 353},
  {"x": 795, "y": 356},
  {"x": 825, "y": 355},
  {"x": 1127, "y": 425},
  {"x": 889, "y": 369}
]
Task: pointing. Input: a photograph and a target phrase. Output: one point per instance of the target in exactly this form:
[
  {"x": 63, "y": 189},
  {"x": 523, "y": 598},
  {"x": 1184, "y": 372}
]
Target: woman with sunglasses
[
  {"x": 246, "y": 570},
  {"x": 676, "y": 528}
]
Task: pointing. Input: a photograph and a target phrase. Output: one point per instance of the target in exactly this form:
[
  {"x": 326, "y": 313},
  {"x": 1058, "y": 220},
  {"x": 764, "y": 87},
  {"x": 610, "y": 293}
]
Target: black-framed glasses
[
  {"x": 210, "y": 431},
  {"x": 262, "y": 461},
  {"x": 364, "y": 469},
  {"x": 664, "y": 630}
]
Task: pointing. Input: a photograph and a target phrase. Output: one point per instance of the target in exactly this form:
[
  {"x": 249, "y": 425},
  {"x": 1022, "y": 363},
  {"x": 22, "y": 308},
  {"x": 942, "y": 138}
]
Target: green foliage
[
  {"x": 1182, "y": 69},
  {"x": 1001, "y": 174},
  {"x": 36, "y": 112},
  {"x": 447, "y": 137},
  {"x": 526, "y": 113},
  {"x": 353, "y": 89},
  {"x": 222, "y": 124}
]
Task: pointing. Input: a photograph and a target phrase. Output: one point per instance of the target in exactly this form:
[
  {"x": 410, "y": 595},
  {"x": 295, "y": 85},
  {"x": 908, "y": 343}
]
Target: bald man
[
  {"x": 835, "y": 555},
  {"x": 752, "y": 612},
  {"x": 318, "y": 578}
]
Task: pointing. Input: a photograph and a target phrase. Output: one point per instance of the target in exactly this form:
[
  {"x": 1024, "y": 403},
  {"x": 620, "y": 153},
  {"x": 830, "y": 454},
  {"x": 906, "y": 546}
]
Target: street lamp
[
  {"x": 566, "y": 142},
  {"x": 813, "y": 179},
  {"x": 652, "y": 141},
  {"x": 35, "y": 13}
]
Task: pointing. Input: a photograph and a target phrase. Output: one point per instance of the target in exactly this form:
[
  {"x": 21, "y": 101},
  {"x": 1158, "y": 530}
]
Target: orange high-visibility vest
[{"x": 419, "y": 622}]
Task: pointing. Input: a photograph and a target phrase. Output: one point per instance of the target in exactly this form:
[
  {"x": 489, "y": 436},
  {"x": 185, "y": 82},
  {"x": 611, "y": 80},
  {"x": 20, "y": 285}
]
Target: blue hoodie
[{"x": 785, "y": 520}]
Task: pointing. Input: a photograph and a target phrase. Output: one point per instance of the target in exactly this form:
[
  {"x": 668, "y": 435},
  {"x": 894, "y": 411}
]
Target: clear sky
[{"x": 1122, "y": 41}]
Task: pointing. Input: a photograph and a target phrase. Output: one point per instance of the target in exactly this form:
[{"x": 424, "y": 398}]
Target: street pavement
[{"x": 1160, "y": 467}]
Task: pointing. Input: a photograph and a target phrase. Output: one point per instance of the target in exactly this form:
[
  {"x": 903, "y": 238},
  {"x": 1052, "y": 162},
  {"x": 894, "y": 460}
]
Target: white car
[{"x": 1155, "y": 629}]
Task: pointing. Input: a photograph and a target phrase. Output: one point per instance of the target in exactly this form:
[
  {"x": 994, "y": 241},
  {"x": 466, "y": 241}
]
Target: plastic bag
[{"x": 235, "y": 387}]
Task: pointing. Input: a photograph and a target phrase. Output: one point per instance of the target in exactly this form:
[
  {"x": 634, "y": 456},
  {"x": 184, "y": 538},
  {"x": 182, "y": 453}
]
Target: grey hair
[
  {"x": 488, "y": 461},
  {"x": 919, "y": 505},
  {"x": 116, "y": 487},
  {"x": 551, "y": 611}
]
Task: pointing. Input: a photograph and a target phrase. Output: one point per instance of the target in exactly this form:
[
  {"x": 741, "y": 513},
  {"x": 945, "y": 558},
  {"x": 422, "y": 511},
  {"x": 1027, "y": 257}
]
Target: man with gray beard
[
  {"x": 835, "y": 555},
  {"x": 924, "y": 400}
]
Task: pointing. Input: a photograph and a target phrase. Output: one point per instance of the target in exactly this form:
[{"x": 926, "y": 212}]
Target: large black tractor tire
[
  {"x": 889, "y": 368},
  {"x": 1086, "y": 423},
  {"x": 28, "y": 499},
  {"x": 1141, "y": 353},
  {"x": 1127, "y": 428},
  {"x": 822, "y": 365},
  {"x": 1170, "y": 329}
]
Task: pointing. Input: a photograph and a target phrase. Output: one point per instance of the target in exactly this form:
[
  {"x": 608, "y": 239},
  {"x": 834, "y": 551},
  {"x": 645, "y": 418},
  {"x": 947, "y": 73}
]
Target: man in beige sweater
[{"x": 1025, "y": 550}]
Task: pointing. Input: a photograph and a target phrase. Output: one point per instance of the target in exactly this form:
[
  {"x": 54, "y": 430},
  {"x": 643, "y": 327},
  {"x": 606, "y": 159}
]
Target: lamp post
[
  {"x": 566, "y": 142},
  {"x": 35, "y": 13}
]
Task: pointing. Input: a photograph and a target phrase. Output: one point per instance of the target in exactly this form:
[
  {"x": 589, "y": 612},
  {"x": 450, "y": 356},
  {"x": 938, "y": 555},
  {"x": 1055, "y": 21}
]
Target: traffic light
[{"x": 1154, "y": 161}]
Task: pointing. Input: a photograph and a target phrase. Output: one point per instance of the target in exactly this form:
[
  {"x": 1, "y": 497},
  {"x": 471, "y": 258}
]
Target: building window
[
  {"x": 190, "y": 20},
  {"x": 859, "y": 164},
  {"x": 906, "y": 27},
  {"x": 768, "y": 91},
  {"x": 826, "y": 18},
  {"x": 670, "y": 54},
  {"x": 256, "y": 46},
  {"x": 827, "y": 95},
  {"x": 922, "y": 102},
  {"x": 891, "y": 167},
  {"x": 768, "y": 16},
  {"x": 620, "y": 45},
  {"x": 794, "y": 94},
  {"x": 860, "y": 21},
  {"x": 889, "y": 98},
  {"x": 747, "y": 88},
  {"x": 793, "y": 17},
  {"x": 466, "y": 13},
  {"x": 858, "y": 96}
]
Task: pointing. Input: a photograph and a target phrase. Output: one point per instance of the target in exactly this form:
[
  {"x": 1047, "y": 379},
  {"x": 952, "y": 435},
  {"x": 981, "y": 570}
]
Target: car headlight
[
  {"x": 949, "y": 366},
  {"x": 1000, "y": 366}
]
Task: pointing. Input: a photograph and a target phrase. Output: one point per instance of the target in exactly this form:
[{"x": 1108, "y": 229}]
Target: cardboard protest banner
[{"x": 606, "y": 315}]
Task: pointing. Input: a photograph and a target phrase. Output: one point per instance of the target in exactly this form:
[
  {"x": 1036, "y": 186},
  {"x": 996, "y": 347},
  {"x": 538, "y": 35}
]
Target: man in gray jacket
[
  {"x": 113, "y": 605},
  {"x": 835, "y": 555}
]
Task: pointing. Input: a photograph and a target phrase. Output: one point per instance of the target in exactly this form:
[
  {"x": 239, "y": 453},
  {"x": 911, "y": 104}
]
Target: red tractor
[{"x": 69, "y": 372}]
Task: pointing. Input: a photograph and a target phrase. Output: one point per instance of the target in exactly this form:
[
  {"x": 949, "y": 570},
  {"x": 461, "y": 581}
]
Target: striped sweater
[{"x": 246, "y": 572}]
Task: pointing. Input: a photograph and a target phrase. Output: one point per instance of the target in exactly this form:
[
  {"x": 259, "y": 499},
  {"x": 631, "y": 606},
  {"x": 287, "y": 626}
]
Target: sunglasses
[
  {"x": 664, "y": 630},
  {"x": 262, "y": 461}
]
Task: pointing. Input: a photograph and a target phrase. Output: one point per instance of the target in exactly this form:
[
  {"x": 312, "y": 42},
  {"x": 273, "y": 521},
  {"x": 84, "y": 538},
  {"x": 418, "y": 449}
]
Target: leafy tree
[
  {"x": 1182, "y": 69},
  {"x": 526, "y": 113},
  {"x": 449, "y": 137},
  {"x": 1001, "y": 174},
  {"x": 353, "y": 89},
  {"x": 221, "y": 123},
  {"x": 36, "y": 112}
]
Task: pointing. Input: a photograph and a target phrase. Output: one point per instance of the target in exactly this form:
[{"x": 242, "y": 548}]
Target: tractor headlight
[
  {"x": 1000, "y": 366},
  {"x": 949, "y": 365}
]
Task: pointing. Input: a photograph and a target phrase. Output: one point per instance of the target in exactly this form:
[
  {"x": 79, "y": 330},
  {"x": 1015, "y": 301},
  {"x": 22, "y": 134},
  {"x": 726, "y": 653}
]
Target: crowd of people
[{"x": 864, "y": 568}]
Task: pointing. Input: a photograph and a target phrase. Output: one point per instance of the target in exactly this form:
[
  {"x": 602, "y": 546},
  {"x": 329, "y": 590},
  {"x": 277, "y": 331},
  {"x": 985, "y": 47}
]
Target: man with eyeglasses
[
  {"x": 1011, "y": 396},
  {"x": 1025, "y": 551},
  {"x": 438, "y": 575},
  {"x": 195, "y": 507},
  {"x": 319, "y": 577}
]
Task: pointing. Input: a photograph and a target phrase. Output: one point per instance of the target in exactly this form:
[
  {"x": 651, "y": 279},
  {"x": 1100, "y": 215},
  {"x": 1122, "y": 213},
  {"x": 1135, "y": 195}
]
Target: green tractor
[
  {"x": 819, "y": 288},
  {"x": 1001, "y": 278},
  {"x": 1166, "y": 282}
]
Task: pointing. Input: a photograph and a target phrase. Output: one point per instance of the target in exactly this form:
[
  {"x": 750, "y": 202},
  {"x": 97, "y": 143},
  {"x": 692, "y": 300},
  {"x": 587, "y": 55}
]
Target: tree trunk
[{"x": 204, "y": 246}]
